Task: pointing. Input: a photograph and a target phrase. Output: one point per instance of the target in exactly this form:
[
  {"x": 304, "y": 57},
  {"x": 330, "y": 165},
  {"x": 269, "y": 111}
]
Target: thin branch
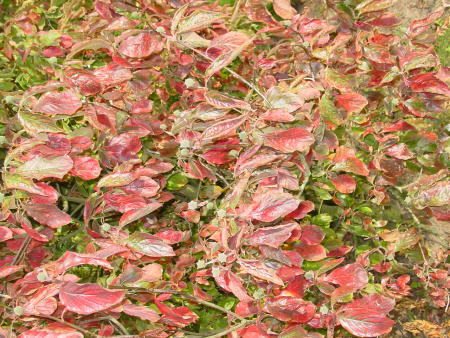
[
  {"x": 241, "y": 325},
  {"x": 236, "y": 8},
  {"x": 203, "y": 55},
  {"x": 182, "y": 295}
]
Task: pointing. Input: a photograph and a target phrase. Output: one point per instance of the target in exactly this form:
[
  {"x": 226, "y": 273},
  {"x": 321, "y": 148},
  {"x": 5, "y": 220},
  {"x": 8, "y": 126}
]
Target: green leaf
[
  {"x": 36, "y": 123},
  {"x": 328, "y": 110},
  {"x": 177, "y": 181}
]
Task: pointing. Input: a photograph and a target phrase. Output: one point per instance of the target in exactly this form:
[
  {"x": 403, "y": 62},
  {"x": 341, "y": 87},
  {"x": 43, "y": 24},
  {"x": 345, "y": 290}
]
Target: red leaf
[
  {"x": 148, "y": 245},
  {"x": 122, "y": 148},
  {"x": 260, "y": 270},
  {"x": 312, "y": 234},
  {"x": 9, "y": 270},
  {"x": 220, "y": 100},
  {"x": 366, "y": 317},
  {"x": 302, "y": 210},
  {"x": 344, "y": 183},
  {"x": 88, "y": 298},
  {"x": 399, "y": 151},
  {"x": 48, "y": 214},
  {"x": 223, "y": 128},
  {"x": 270, "y": 205},
  {"x": 36, "y": 235},
  {"x": 353, "y": 276},
  {"x": 428, "y": 83},
  {"x": 144, "y": 186},
  {"x": 312, "y": 252},
  {"x": 291, "y": 309},
  {"x": 272, "y": 236},
  {"x": 284, "y": 9},
  {"x": 231, "y": 283},
  {"x": 351, "y": 102},
  {"x": 5, "y": 233},
  {"x": 112, "y": 74},
  {"x": 133, "y": 215},
  {"x": 346, "y": 160},
  {"x": 71, "y": 259},
  {"x": 288, "y": 141},
  {"x": 58, "y": 103},
  {"x": 140, "y": 46},
  {"x": 85, "y": 167},
  {"x": 85, "y": 80},
  {"x": 141, "y": 312},
  {"x": 180, "y": 316},
  {"x": 46, "y": 332}
]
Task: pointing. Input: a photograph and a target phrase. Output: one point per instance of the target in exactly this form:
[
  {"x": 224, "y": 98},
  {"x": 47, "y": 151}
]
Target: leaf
[
  {"x": 177, "y": 181},
  {"x": 270, "y": 205},
  {"x": 257, "y": 269},
  {"x": 288, "y": 141},
  {"x": 133, "y": 215},
  {"x": 373, "y": 6},
  {"x": 46, "y": 332},
  {"x": 88, "y": 44},
  {"x": 291, "y": 309},
  {"x": 272, "y": 236},
  {"x": 116, "y": 180},
  {"x": 72, "y": 259},
  {"x": 5, "y": 233},
  {"x": 140, "y": 311},
  {"x": 33, "y": 233},
  {"x": 140, "y": 46},
  {"x": 35, "y": 123},
  {"x": 86, "y": 168},
  {"x": 13, "y": 181},
  {"x": 351, "y": 102},
  {"x": 352, "y": 276},
  {"x": 438, "y": 195},
  {"x": 346, "y": 160},
  {"x": 312, "y": 253},
  {"x": 225, "y": 59},
  {"x": 48, "y": 214},
  {"x": 7, "y": 270},
  {"x": 366, "y": 317},
  {"x": 284, "y": 9},
  {"x": 231, "y": 283},
  {"x": 223, "y": 128},
  {"x": 311, "y": 234},
  {"x": 328, "y": 110},
  {"x": 344, "y": 183},
  {"x": 41, "y": 167},
  {"x": 88, "y": 298},
  {"x": 220, "y": 100},
  {"x": 199, "y": 19},
  {"x": 148, "y": 245},
  {"x": 58, "y": 103}
]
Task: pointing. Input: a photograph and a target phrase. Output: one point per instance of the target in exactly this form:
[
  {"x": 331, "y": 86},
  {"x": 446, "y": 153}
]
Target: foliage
[{"x": 243, "y": 168}]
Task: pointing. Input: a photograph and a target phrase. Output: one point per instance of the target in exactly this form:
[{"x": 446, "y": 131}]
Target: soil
[{"x": 409, "y": 10}]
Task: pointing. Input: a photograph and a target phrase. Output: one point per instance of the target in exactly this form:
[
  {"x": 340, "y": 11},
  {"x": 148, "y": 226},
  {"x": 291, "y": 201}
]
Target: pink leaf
[
  {"x": 284, "y": 9},
  {"x": 141, "y": 312},
  {"x": 291, "y": 309},
  {"x": 366, "y": 317},
  {"x": 71, "y": 259},
  {"x": 48, "y": 214},
  {"x": 5, "y": 233},
  {"x": 46, "y": 332},
  {"x": 140, "y": 46},
  {"x": 58, "y": 103},
  {"x": 353, "y": 276},
  {"x": 270, "y": 205},
  {"x": 312, "y": 234},
  {"x": 220, "y": 100},
  {"x": 302, "y": 210},
  {"x": 344, "y": 183},
  {"x": 9, "y": 270},
  {"x": 133, "y": 215},
  {"x": 260, "y": 270},
  {"x": 148, "y": 245},
  {"x": 288, "y": 141},
  {"x": 88, "y": 298},
  {"x": 312, "y": 252},
  {"x": 231, "y": 283},
  {"x": 272, "y": 236},
  {"x": 346, "y": 160},
  {"x": 85, "y": 167},
  {"x": 351, "y": 102}
]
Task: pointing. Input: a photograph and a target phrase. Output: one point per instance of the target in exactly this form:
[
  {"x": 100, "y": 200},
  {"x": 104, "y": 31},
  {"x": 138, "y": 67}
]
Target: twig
[
  {"x": 22, "y": 250},
  {"x": 203, "y": 55},
  {"x": 185, "y": 296},
  {"x": 241, "y": 325},
  {"x": 61, "y": 321},
  {"x": 117, "y": 323},
  {"x": 236, "y": 8}
]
